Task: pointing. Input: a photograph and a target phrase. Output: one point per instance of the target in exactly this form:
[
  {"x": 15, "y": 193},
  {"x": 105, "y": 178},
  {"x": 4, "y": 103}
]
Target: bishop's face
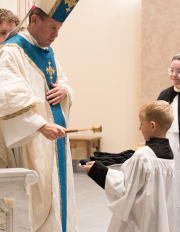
[
  {"x": 175, "y": 76},
  {"x": 5, "y": 28},
  {"x": 45, "y": 32}
]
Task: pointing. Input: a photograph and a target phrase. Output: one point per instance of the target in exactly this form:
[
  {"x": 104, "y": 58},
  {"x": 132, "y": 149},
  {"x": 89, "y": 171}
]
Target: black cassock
[{"x": 168, "y": 95}]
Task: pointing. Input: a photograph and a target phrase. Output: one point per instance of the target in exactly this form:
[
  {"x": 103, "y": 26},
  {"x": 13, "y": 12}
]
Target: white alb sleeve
[
  {"x": 21, "y": 129},
  {"x": 121, "y": 187}
]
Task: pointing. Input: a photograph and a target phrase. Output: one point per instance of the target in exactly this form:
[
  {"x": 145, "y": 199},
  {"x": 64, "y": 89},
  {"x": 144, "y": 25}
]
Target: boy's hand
[{"x": 89, "y": 166}]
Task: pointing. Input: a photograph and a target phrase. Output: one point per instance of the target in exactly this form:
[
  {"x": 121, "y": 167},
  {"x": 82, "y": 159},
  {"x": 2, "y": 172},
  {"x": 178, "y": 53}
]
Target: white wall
[
  {"x": 10, "y": 5},
  {"x": 99, "y": 50}
]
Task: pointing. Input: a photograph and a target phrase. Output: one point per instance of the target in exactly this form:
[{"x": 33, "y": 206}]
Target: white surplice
[
  {"x": 23, "y": 110},
  {"x": 173, "y": 136},
  {"x": 140, "y": 194}
]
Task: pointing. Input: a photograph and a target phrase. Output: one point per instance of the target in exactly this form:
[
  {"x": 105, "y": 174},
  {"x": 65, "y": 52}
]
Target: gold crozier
[
  {"x": 50, "y": 70},
  {"x": 70, "y": 3}
]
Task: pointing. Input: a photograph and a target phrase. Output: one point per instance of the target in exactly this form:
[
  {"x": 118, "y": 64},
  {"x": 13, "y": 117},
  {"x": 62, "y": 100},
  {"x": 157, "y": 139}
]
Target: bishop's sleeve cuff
[
  {"x": 21, "y": 129},
  {"x": 98, "y": 173}
]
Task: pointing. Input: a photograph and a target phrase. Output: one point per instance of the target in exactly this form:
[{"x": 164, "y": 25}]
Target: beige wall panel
[
  {"x": 99, "y": 49},
  {"x": 10, "y": 5},
  {"x": 18, "y": 7},
  {"x": 160, "y": 42}
]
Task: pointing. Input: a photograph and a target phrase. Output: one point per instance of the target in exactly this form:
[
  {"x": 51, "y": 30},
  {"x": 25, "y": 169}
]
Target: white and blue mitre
[
  {"x": 59, "y": 10},
  {"x": 56, "y": 9}
]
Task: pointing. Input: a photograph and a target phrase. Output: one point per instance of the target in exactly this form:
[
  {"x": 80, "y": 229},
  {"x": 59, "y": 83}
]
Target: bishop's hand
[
  {"x": 56, "y": 94},
  {"x": 52, "y": 131}
]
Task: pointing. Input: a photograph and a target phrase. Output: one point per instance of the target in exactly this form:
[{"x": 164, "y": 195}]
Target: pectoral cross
[{"x": 50, "y": 70}]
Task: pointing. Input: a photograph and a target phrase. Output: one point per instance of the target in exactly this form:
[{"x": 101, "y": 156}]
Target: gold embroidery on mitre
[
  {"x": 53, "y": 10},
  {"x": 50, "y": 70},
  {"x": 70, "y": 3}
]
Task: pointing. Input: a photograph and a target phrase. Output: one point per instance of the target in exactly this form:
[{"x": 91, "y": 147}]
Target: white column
[{"x": 13, "y": 185}]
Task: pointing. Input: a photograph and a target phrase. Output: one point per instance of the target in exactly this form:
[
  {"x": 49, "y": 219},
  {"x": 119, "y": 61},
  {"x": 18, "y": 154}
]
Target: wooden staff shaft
[
  {"x": 71, "y": 131},
  {"x": 94, "y": 129}
]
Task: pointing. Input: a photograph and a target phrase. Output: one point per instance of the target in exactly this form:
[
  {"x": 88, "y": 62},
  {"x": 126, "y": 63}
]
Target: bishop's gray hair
[{"x": 42, "y": 15}]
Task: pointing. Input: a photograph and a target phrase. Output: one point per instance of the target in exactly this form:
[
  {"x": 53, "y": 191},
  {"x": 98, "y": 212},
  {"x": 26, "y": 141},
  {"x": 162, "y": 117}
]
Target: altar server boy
[{"x": 140, "y": 194}]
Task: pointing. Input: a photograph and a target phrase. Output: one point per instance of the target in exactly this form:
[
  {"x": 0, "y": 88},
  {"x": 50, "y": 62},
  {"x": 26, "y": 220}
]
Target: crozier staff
[{"x": 35, "y": 101}]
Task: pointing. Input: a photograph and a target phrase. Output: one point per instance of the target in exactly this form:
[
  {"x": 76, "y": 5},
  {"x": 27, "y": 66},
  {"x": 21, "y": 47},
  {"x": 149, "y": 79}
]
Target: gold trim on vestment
[
  {"x": 70, "y": 101},
  {"x": 30, "y": 61},
  {"x": 21, "y": 111},
  {"x": 50, "y": 70},
  {"x": 53, "y": 10}
]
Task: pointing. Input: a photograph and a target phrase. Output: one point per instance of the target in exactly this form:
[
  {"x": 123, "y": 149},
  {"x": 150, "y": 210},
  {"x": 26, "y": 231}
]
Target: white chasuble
[
  {"x": 140, "y": 194},
  {"x": 23, "y": 110}
]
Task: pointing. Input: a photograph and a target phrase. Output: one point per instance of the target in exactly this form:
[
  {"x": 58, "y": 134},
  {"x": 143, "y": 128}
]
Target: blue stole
[{"x": 41, "y": 58}]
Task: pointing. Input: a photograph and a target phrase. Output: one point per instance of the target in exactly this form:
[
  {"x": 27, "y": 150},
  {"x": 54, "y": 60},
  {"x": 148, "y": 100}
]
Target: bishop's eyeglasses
[{"x": 171, "y": 71}]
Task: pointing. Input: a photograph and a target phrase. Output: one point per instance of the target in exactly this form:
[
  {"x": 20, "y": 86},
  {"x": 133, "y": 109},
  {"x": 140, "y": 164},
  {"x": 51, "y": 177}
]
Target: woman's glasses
[{"x": 171, "y": 71}]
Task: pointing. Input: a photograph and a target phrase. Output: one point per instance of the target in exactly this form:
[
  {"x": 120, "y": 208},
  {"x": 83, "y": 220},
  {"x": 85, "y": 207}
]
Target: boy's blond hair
[
  {"x": 8, "y": 16},
  {"x": 160, "y": 112}
]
